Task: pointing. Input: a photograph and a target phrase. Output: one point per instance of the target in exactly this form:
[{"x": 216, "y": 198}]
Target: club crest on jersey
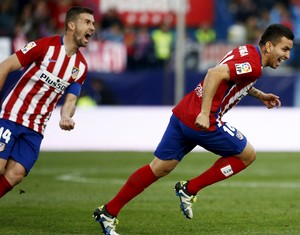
[
  {"x": 28, "y": 47},
  {"x": 243, "y": 68},
  {"x": 2, "y": 147},
  {"x": 75, "y": 72}
]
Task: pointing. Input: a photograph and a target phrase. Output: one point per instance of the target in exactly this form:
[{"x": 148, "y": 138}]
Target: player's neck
[
  {"x": 70, "y": 47},
  {"x": 264, "y": 56}
]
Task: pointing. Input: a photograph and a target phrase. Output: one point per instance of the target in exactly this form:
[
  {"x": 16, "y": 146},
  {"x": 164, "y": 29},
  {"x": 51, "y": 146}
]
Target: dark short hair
[
  {"x": 73, "y": 13},
  {"x": 274, "y": 33}
]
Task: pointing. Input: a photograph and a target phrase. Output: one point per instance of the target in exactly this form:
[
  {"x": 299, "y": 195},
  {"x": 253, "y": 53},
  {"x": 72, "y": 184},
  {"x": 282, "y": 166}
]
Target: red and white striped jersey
[
  {"x": 245, "y": 67},
  {"x": 48, "y": 71}
]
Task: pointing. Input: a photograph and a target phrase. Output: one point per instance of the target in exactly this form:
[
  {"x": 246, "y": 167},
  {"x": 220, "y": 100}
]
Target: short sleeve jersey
[
  {"x": 245, "y": 68},
  {"x": 48, "y": 71}
]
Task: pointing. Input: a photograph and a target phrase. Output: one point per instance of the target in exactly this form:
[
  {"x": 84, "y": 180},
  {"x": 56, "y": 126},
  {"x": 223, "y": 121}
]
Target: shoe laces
[{"x": 193, "y": 199}]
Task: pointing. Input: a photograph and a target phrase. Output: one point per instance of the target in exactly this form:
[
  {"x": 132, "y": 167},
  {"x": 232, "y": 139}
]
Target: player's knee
[
  {"x": 2, "y": 166},
  {"x": 252, "y": 157},
  {"x": 162, "y": 168},
  {"x": 14, "y": 178},
  {"x": 248, "y": 156},
  {"x": 162, "y": 171}
]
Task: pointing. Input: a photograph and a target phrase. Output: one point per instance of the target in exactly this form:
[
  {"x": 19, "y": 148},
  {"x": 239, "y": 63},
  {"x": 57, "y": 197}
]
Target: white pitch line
[
  {"x": 282, "y": 185},
  {"x": 77, "y": 178}
]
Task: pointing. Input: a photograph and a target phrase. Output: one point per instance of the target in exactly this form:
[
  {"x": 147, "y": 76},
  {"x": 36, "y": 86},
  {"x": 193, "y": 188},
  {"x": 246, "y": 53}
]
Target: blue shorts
[
  {"x": 178, "y": 140},
  {"x": 20, "y": 143}
]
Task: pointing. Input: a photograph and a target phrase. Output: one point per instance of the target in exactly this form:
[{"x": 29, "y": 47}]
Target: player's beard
[{"x": 81, "y": 40}]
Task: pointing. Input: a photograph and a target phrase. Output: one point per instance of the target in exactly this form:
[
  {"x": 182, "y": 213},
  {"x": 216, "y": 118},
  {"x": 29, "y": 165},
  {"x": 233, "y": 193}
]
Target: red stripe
[
  {"x": 15, "y": 95},
  {"x": 37, "y": 86},
  {"x": 39, "y": 106},
  {"x": 55, "y": 55},
  {"x": 64, "y": 67},
  {"x": 79, "y": 60}
]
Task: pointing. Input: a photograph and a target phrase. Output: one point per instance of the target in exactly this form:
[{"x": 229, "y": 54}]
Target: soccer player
[
  {"x": 197, "y": 120},
  {"x": 53, "y": 66}
]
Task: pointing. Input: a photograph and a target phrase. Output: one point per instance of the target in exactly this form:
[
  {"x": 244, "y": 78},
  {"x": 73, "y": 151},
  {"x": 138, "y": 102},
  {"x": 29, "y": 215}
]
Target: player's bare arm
[
  {"x": 268, "y": 99},
  {"x": 212, "y": 81},
  {"x": 12, "y": 63},
  {"x": 67, "y": 111}
]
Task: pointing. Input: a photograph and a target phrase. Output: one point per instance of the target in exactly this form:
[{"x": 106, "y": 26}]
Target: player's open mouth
[{"x": 87, "y": 36}]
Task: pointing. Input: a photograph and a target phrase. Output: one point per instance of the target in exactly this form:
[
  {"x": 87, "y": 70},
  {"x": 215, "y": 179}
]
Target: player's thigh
[
  {"x": 14, "y": 172},
  {"x": 3, "y": 163},
  {"x": 248, "y": 155},
  {"x": 8, "y": 136},
  {"x": 26, "y": 149},
  {"x": 174, "y": 144},
  {"x": 225, "y": 141}
]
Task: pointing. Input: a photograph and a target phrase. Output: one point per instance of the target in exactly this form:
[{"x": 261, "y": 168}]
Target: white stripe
[
  {"x": 59, "y": 61},
  {"x": 70, "y": 66},
  {"x": 235, "y": 97},
  {"x": 281, "y": 185},
  {"x": 48, "y": 56},
  {"x": 19, "y": 102},
  {"x": 237, "y": 184},
  {"x": 81, "y": 70}
]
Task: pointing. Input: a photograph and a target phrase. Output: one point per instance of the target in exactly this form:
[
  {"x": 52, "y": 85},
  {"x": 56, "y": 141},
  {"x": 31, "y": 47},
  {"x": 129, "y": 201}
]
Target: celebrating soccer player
[
  {"x": 197, "y": 120},
  {"x": 54, "y": 66}
]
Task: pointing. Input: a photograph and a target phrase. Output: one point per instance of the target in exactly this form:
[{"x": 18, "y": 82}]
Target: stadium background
[
  {"x": 137, "y": 84},
  {"x": 70, "y": 179}
]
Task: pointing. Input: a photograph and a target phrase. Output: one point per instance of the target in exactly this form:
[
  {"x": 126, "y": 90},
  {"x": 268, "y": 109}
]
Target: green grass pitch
[{"x": 63, "y": 189}]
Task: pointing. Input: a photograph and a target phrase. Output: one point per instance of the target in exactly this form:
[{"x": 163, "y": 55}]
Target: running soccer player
[
  {"x": 54, "y": 66},
  {"x": 197, "y": 120}
]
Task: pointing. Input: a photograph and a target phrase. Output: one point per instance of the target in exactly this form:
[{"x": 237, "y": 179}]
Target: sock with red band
[
  {"x": 222, "y": 169},
  {"x": 4, "y": 186},
  {"x": 136, "y": 183}
]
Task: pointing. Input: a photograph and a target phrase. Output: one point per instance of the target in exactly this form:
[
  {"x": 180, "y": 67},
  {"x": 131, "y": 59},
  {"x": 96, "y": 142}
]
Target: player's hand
[
  {"x": 202, "y": 122},
  {"x": 270, "y": 100},
  {"x": 67, "y": 124}
]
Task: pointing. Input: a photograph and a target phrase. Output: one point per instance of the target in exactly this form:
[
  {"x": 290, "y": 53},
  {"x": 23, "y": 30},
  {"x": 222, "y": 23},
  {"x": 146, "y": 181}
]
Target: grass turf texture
[{"x": 63, "y": 189}]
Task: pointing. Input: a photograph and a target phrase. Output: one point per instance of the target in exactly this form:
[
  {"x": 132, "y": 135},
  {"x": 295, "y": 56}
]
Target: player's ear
[
  {"x": 71, "y": 25},
  {"x": 268, "y": 46}
]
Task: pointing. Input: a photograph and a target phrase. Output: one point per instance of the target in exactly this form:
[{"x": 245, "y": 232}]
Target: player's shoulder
[
  {"x": 246, "y": 50},
  {"x": 249, "y": 53},
  {"x": 49, "y": 41}
]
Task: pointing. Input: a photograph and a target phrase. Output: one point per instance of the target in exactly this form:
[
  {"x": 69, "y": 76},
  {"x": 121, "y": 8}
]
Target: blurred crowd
[
  {"x": 251, "y": 17},
  {"x": 28, "y": 20}
]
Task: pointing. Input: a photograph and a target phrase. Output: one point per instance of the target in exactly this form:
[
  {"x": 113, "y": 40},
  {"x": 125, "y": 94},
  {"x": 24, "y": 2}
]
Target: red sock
[
  {"x": 4, "y": 186},
  {"x": 136, "y": 183},
  {"x": 222, "y": 169}
]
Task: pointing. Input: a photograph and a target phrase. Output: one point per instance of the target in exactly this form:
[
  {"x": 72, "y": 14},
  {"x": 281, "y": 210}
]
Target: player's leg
[
  {"x": 139, "y": 181},
  {"x": 136, "y": 184},
  {"x": 3, "y": 163},
  {"x": 223, "y": 168},
  {"x": 162, "y": 168},
  {"x": 236, "y": 154},
  {"x": 7, "y": 139},
  {"x": 23, "y": 150},
  {"x": 171, "y": 149},
  {"x": 169, "y": 152},
  {"x": 14, "y": 172},
  {"x": 5, "y": 186}
]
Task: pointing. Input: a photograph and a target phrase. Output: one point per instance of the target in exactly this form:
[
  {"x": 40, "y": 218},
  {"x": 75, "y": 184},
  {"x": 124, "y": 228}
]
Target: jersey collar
[{"x": 258, "y": 50}]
